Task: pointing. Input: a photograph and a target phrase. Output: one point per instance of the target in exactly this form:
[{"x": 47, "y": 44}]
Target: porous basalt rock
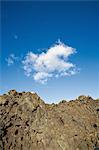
[{"x": 27, "y": 123}]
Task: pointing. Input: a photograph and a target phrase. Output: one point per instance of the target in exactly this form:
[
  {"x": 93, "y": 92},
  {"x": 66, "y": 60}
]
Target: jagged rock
[
  {"x": 12, "y": 92},
  {"x": 27, "y": 123}
]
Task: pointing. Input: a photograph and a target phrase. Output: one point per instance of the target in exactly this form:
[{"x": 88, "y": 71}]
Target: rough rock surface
[{"x": 27, "y": 123}]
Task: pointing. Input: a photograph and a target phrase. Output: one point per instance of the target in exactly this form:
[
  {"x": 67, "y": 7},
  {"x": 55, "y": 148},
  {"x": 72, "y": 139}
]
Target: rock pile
[{"x": 27, "y": 123}]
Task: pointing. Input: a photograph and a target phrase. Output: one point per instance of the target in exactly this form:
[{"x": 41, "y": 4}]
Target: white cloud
[
  {"x": 42, "y": 76},
  {"x": 11, "y": 59},
  {"x": 52, "y": 63}
]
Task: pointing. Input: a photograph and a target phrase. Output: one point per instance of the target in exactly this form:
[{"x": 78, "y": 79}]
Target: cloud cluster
[
  {"x": 52, "y": 63},
  {"x": 11, "y": 59}
]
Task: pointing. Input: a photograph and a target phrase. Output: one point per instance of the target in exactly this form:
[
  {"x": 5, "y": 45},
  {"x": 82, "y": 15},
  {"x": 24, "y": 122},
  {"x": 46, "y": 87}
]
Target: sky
[{"x": 50, "y": 48}]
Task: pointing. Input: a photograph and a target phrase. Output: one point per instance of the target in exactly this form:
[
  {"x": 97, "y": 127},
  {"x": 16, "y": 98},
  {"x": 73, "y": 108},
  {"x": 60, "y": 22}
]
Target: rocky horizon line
[{"x": 15, "y": 92}]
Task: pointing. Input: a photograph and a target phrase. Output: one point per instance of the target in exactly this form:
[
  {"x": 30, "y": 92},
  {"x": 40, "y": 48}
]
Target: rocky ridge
[{"x": 27, "y": 123}]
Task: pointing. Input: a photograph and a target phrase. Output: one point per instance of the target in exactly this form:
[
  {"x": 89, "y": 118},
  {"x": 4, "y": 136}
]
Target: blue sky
[{"x": 35, "y": 27}]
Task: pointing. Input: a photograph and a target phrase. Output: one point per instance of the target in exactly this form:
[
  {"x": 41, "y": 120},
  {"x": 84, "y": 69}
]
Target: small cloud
[
  {"x": 15, "y": 36},
  {"x": 52, "y": 63},
  {"x": 42, "y": 77},
  {"x": 11, "y": 59}
]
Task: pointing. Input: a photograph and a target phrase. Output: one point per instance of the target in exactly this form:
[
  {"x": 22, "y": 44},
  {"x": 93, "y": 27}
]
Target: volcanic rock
[{"x": 28, "y": 123}]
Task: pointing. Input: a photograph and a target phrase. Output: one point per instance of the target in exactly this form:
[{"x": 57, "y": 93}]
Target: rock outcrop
[{"x": 27, "y": 123}]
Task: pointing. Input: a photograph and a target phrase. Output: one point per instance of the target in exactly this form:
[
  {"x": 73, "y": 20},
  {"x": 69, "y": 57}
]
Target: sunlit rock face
[{"x": 27, "y": 123}]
